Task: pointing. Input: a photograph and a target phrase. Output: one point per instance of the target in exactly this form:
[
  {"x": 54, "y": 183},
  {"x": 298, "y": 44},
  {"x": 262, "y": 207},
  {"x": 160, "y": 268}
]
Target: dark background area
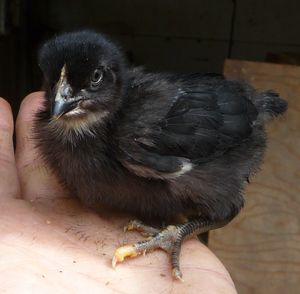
[{"x": 168, "y": 35}]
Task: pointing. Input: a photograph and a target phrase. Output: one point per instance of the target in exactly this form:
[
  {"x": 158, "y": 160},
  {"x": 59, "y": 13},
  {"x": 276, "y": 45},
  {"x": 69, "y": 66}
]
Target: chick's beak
[{"x": 63, "y": 102}]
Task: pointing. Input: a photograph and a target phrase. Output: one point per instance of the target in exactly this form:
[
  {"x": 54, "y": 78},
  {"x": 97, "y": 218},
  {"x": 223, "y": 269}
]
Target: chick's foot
[{"x": 168, "y": 239}]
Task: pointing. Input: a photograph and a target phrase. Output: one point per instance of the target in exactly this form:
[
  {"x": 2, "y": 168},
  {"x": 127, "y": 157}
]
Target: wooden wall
[
  {"x": 261, "y": 247},
  {"x": 187, "y": 36},
  {"x": 168, "y": 35}
]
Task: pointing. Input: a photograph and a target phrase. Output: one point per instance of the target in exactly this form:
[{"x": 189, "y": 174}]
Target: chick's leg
[{"x": 168, "y": 239}]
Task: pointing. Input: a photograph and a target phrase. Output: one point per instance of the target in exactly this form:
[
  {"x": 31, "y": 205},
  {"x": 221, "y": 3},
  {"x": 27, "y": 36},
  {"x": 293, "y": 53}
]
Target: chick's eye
[{"x": 96, "y": 78}]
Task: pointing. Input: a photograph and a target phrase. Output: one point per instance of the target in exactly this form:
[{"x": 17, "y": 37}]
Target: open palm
[{"x": 50, "y": 243}]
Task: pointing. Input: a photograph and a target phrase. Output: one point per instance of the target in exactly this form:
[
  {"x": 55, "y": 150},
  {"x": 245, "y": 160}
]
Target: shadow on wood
[{"x": 261, "y": 247}]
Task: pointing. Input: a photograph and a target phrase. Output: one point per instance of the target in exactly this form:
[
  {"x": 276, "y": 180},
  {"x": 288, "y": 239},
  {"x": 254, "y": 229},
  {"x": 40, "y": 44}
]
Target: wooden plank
[{"x": 261, "y": 247}]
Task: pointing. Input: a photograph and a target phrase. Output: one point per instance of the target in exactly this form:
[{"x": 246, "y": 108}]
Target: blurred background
[
  {"x": 261, "y": 247},
  {"x": 177, "y": 35}
]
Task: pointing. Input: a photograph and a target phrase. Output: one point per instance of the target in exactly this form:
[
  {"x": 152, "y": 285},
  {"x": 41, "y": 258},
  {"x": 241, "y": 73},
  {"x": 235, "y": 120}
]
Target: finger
[
  {"x": 9, "y": 184},
  {"x": 35, "y": 178}
]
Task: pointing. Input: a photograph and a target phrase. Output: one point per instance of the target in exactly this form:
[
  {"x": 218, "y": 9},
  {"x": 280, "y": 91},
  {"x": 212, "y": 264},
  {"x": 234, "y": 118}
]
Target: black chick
[{"x": 157, "y": 145}]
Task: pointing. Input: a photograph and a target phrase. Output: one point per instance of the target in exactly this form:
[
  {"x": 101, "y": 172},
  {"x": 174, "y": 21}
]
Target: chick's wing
[{"x": 167, "y": 136}]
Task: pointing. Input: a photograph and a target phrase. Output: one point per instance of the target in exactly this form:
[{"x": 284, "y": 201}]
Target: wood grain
[{"x": 261, "y": 247}]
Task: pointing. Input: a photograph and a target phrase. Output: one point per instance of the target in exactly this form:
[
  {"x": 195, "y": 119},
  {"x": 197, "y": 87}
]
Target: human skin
[{"x": 50, "y": 243}]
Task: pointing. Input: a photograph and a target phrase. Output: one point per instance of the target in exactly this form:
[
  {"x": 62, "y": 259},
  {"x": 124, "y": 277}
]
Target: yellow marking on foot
[{"x": 122, "y": 252}]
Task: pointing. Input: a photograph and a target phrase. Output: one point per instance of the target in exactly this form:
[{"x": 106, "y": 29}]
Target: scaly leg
[{"x": 168, "y": 239}]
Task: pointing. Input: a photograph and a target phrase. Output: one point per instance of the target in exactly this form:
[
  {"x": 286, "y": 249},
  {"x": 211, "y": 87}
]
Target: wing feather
[{"x": 201, "y": 123}]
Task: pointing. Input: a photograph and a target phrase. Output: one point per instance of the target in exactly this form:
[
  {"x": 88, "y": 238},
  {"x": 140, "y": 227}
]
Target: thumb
[{"x": 35, "y": 178}]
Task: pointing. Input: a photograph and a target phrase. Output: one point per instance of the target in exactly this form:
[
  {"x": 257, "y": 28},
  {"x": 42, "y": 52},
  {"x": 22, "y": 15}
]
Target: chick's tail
[{"x": 269, "y": 104}]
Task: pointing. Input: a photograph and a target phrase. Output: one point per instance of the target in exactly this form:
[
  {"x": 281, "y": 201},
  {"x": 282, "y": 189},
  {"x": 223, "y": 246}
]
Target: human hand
[{"x": 50, "y": 243}]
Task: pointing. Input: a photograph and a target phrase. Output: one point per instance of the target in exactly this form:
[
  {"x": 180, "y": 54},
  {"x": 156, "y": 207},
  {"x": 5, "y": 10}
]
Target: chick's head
[{"x": 83, "y": 77}]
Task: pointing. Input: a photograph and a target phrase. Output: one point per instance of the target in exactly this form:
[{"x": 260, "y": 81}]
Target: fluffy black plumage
[{"x": 153, "y": 144}]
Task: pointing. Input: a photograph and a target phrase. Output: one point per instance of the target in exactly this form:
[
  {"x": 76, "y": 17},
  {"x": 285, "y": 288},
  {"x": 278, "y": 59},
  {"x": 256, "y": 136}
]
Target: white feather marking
[
  {"x": 187, "y": 166},
  {"x": 147, "y": 172},
  {"x": 75, "y": 111}
]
